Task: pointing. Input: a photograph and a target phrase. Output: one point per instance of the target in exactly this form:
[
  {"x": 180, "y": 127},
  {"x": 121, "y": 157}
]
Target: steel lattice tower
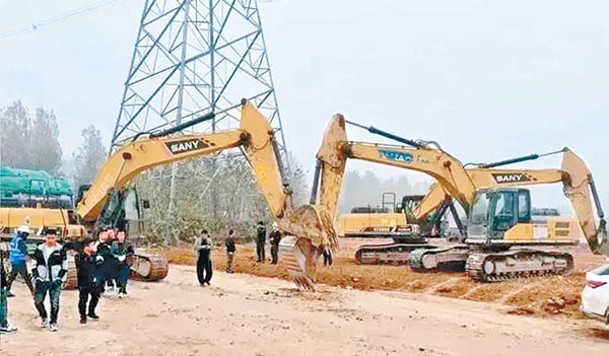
[{"x": 193, "y": 57}]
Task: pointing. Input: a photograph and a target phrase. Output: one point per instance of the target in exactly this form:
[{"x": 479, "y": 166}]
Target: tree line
[{"x": 31, "y": 141}]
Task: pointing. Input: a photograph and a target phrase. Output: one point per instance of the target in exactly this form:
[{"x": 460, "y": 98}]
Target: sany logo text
[
  {"x": 185, "y": 145},
  {"x": 511, "y": 178}
]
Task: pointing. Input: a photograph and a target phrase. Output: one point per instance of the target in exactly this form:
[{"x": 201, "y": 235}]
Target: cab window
[{"x": 523, "y": 206}]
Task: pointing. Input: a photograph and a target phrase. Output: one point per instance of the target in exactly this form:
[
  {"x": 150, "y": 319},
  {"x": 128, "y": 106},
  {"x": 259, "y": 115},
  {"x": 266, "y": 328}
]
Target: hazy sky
[{"x": 486, "y": 79}]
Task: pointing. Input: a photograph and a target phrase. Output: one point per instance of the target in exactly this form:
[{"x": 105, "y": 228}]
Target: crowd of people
[{"x": 101, "y": 267}]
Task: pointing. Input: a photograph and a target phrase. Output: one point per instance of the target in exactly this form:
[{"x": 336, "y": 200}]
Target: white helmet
[{"x": 24, "y": 228}]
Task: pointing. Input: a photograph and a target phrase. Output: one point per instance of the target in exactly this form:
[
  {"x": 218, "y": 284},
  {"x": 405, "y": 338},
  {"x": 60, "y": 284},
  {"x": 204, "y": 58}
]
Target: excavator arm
[
  {"x": 137, "y": 156},
  {"x": 255, "y": 134},
  {"x": 485, "y": 179},
  {"x": 579, "y": 187},
  {"x": 336, "y": 149},
  {"x": 309, "y": 227},
  {"x": 446, "y": 169}
]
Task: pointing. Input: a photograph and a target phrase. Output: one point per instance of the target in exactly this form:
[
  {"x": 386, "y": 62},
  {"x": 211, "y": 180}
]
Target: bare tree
[
  {"x": 89, "y": 158},
  {"x": 45, "y": 149},
  {"x": 29, "y": 143},
  {"x": 15, "y": 139}
]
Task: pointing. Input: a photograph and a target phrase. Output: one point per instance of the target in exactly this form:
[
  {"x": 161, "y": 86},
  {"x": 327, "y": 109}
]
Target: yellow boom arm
[
  {"x": 484, "y": 178},
  {"x": 335, "y": 149},
  {"x": 255, "y": 134}
]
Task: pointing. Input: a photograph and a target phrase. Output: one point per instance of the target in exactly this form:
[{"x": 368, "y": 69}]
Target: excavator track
[
  {"x": 390, "y": 253},
  {"x": 295, "y": 260},
  {"x": 147, "y": 267},
  {"x": 518, "y": 263},
  {"x": 441, "y": 258}
]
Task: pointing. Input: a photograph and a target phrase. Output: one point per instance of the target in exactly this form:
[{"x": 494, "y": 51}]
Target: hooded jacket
[{"x": 51, "y": 268}]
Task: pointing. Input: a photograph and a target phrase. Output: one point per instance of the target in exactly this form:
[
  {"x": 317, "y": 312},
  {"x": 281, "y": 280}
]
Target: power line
[{"x": 90, "y": 8}]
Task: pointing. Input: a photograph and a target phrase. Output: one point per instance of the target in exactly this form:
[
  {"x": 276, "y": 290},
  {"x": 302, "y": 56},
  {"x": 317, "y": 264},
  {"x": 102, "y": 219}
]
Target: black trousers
[
  {"x": 83, "y": 298},
  {"x": 327, "y": 258},
  {"x": 22, "y": 270},
  {"x": 274, "y": 254},
  {"x": 204, "y": 267},
  {"x": 260, "y": 251}
]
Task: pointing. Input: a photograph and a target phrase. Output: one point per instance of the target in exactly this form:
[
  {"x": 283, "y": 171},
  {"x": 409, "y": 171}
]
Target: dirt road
[{"x": 247, "y": 315}]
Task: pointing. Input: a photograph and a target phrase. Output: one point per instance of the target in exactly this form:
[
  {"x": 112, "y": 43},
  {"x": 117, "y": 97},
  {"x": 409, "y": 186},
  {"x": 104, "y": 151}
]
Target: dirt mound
[{"x": 548, "y": 296}]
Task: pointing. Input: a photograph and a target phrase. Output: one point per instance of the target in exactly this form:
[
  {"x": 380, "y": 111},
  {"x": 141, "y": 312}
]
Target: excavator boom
[
  {"x": 446, "y": 169},
  {"x": 580, "y": 189},
  {"x": 307, "y": 225}
]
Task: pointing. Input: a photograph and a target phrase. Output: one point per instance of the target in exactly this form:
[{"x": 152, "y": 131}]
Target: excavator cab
[{"x": 495, "y": 211}]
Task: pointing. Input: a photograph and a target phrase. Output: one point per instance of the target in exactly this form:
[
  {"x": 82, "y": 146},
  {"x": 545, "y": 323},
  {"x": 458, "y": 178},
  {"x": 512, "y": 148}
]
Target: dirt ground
[
  {"x": 556, "y": 297},
  {"x": 242, "y": 314}
]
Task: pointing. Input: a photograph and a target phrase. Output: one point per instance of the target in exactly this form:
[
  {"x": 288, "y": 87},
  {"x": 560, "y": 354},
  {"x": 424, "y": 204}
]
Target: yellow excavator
[
  {"x": 499, "y": 218},
  {"x": 109, "y": 200}
]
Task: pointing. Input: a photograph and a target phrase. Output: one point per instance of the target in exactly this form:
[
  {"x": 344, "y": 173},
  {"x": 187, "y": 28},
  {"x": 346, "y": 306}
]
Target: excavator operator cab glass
[
  {"x": 524, "y": 206},
  {"x": 507, "y": 208},
  {"x": 503, "y": 211},
  {"x": 479, "y": 210}
]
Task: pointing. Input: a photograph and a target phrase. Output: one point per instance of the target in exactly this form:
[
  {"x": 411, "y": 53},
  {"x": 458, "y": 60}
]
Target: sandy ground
[
  {"x": 247, "y": 315},
  {"x": 555, "y": 297}
]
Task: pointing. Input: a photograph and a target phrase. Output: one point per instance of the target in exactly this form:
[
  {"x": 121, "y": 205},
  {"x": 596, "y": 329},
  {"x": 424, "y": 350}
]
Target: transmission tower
[{"x": 193, "y": 57}]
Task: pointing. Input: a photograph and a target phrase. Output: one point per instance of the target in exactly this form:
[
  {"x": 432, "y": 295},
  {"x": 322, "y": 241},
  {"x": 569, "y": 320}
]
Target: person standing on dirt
[
  {"x": 120, "y": 252},
  {"x": 275, "y": 238},
  {"x": 5, "y": 328},
  {"x": 111, "y": 263},
  {"x": 50, "y": 266},
  {"x": 203, "y": 247},
  {"x": 18, "y": 258},
  {"x": 90, "y": 281},
  {"x": 230, "y": 251},
  {"x": 103, "y": 250},
  {"x": 260, "y": 241}
]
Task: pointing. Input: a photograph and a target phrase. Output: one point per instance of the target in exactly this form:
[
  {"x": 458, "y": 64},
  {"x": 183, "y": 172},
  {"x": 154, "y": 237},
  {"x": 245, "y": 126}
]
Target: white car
[{"x": 595, "y": 296}]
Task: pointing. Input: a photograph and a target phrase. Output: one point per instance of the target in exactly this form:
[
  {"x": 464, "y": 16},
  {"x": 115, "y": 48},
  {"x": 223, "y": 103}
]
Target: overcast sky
[{"x": 486, "y": 79}]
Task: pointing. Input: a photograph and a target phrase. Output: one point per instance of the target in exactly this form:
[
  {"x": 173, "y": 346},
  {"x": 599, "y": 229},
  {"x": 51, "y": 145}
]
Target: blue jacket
[{"x": 18, "y": 253}]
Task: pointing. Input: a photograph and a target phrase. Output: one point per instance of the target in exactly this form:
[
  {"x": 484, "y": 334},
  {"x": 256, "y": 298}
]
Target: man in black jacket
[
  {"x": 120, "y": 250},
  {"x": 5, "y": 328},
  {"x": 90, "y": 280},
  {"x": 103, "y": 249},
  {"x": 260, "y": 241},
  {"x": 203, "y": 246},
  {"x": 230, "y": 251},
  {"x": 50, "y": 266},
  {"x": 275, "y": 238}
]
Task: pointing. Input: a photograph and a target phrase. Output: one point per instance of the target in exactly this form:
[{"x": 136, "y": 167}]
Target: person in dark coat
[
  {"x": 5, "y": 328},
  {"x": 120, "y": 252},
  {"x": 260, "y": 241},
  {"x": 230, "y": 251},
  {"x": 203, "y": 247},
  {"x": 103, "y": 249},
  {"x": 90, "y": 280},
  {"x": 275, "y": 238}
]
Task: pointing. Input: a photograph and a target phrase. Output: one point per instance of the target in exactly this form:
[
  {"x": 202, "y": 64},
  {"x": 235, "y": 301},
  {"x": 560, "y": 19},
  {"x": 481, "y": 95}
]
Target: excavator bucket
[
  {"x": 310, "y": 231},
  {"x": 577, "y": 188}
]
